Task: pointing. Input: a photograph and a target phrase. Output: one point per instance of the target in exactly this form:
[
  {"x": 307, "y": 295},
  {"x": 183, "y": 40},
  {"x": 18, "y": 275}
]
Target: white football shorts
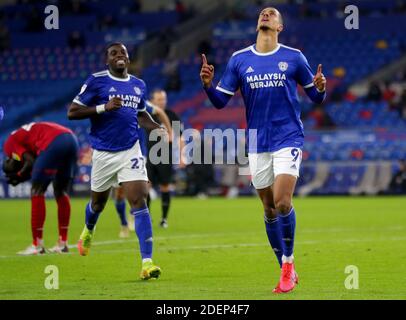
[
  {"x": 112, "y": 168},
  {"x": 266, "y": 166}
]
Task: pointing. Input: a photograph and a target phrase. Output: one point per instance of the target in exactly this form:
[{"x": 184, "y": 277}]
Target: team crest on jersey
[
  {"x": 137, "y": 90},
  {"x": 283, "y": 66}
]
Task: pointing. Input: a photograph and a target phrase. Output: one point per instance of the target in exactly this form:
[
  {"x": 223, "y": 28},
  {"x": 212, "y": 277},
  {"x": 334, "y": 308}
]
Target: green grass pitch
[{"x": 215, "y": 249}]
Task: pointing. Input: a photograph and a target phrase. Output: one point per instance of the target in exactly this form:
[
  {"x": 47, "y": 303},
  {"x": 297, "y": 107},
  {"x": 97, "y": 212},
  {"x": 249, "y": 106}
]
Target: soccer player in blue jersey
[
  {"x": 118, "y": 192},
  {"x": 114, "y": 101},
  {"x": 267, "y": 74}
]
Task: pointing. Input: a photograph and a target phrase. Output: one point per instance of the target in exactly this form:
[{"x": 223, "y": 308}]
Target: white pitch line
[
  {"x": 185, "y": 236},
  {"x": 212, "y": 235},
  {"x": 329, "y": 230},
  {"x": 227, "y": 246},
  {"x": 241, "y": 245},
  {"x": 120, "y": 241}
]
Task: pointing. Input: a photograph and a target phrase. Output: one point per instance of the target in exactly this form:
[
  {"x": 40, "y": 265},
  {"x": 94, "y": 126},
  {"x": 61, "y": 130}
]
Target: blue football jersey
[
  {"x": 149, "y": 107},
  {"x": 143, "y": 134},
  {"x": 116, "y": 130},
  {"x": 268, "y": 83}
]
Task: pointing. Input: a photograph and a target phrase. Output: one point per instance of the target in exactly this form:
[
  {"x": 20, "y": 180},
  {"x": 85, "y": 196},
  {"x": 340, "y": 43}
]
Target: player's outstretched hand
[
  {"x": 113, "y": 104},
  {"x": 207, "y": 72},
  {"x": 319, "y": 80}
]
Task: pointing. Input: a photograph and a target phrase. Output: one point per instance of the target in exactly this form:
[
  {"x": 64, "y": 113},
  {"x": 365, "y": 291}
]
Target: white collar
[
  {"x": 265, "y": 53},
  {"x": 118, "y": 79}
]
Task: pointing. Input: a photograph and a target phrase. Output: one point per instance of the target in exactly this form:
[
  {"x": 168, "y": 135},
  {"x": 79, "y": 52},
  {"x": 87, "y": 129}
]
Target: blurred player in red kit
[{"x": 44, "y": 152}]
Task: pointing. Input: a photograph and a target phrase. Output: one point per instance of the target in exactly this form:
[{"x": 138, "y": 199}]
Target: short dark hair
[
  {"x": 106, "y": 51},
  {"x": 11, "y": 166},
  {"x": 280, "y": 18}
]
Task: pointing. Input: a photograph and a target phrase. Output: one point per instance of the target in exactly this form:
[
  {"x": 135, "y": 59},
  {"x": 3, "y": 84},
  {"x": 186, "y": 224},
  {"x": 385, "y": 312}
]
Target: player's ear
[
  {"x": 280, "y": 28},
  {"x": 106, "y": 57}
]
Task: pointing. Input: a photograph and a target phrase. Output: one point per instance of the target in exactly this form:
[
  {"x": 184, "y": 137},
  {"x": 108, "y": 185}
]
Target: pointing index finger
[
  {"x": 204, "y": 58},
  {"x": 319, "y": 68}
]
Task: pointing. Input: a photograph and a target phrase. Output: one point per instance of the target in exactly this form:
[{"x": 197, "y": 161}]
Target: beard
[
  {"x": 118, "y": 69},
  {"x": 264, "y": 28}
]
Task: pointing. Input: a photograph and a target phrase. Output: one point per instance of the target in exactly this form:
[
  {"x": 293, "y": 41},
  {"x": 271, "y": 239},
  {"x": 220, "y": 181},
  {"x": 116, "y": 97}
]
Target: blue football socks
[
  {"x": 143, "y": 229},
  {"x": 274, "y": 236},
  {"x": 91, "y": 217},
  {"x": 120, "y": 207},
  {"x": 288, "y": 225}
]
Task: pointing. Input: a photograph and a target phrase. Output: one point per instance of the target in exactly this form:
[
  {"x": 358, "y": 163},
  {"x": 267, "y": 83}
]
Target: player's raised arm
[
  {"x": 319, "y": 80},
  {"x": 313, "y": 84},
  {"x": 317, "y": 91},
  {"x": 206, "y": 72},
  {"x": 218, "y": 99},
  {"x": 78, "y": 112}
]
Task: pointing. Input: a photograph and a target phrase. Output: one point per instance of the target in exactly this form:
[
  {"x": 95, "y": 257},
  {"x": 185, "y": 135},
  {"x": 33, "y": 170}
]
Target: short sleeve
[
  {"x": 143, "y": 103},
  {"x": 229, "y": 81},
  {"x": 88, "y": 93},
  {"x": 149, "y": 107},
  {"x": 304, "y": 74},
  {"x": 14, "y": 146}
]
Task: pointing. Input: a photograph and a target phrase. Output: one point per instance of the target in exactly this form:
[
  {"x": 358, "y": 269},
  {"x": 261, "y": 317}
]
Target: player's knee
[
  {"x": 120, "y": 197},
  {"x": 59, "y": 193},
  {"x": 119, "y": 193},
  {"x": 270, "y": 212},
  {"x": 283, "y": 206},
  {"x": 98, "y": 206},
  {"x": 37, "y": 190},
  {"x": 138, "y": 204},
  {"x": 139, "y": 201},
  {"x": 269, "y": 208}
]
